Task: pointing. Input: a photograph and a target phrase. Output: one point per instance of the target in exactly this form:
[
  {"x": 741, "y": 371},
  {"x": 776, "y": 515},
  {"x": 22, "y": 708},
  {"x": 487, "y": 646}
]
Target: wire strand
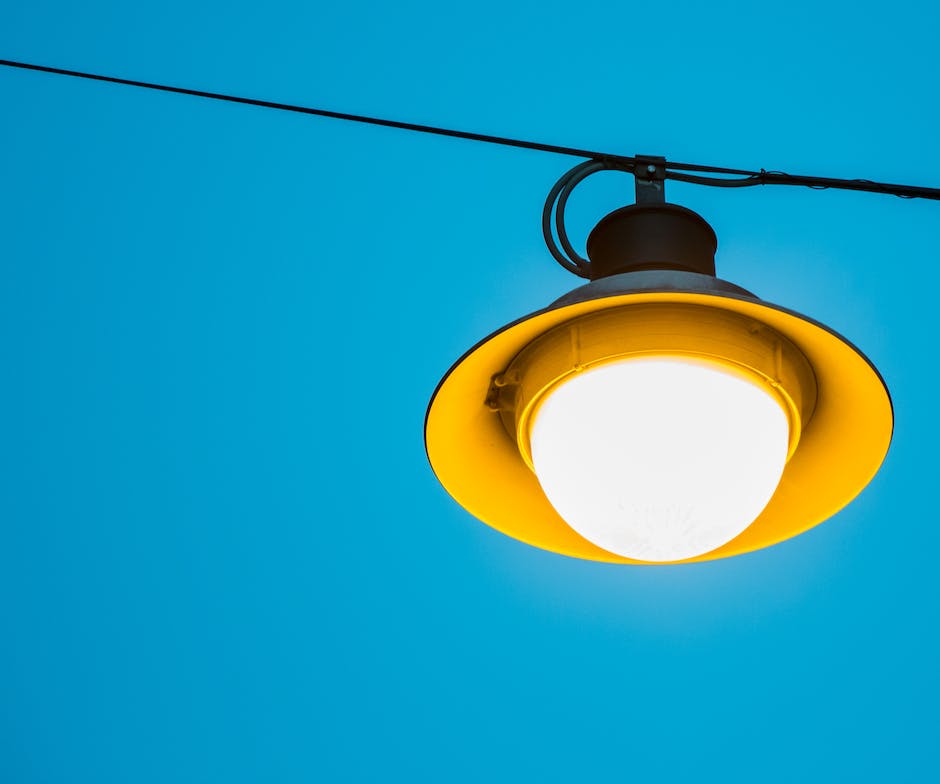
[
  {"x": 556, "y": 202},
  {"x": 818, "y": 183},
  {"x": 287, "y": 107},
  {"x": 738, "y": 178}
]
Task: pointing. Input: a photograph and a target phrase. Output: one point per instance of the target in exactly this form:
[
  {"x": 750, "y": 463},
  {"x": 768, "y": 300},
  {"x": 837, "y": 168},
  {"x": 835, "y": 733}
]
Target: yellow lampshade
[{"x": 825, "y": 411}]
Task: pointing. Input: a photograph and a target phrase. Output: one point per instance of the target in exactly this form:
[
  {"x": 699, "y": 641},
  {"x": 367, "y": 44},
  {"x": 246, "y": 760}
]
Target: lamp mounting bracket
[{"x": 650, "y": 174}]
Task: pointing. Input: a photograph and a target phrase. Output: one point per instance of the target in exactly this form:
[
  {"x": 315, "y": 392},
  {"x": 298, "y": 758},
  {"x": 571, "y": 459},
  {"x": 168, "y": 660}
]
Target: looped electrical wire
[{"x": 556, "y": 202}]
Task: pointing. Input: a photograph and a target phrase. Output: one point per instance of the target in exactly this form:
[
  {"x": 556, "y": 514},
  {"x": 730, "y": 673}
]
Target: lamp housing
[{"x": 654, "y": 297}]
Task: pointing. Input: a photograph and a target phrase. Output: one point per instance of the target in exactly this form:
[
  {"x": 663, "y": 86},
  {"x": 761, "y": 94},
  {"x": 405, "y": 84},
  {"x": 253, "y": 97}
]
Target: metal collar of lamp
[{"x": 657, "y": 414}]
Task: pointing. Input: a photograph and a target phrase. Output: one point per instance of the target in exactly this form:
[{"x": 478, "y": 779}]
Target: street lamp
[{"x": 657, "y": 414}]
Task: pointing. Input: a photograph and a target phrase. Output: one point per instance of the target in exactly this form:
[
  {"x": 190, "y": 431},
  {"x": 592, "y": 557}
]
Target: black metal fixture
[{"x": 587, "y": 427}]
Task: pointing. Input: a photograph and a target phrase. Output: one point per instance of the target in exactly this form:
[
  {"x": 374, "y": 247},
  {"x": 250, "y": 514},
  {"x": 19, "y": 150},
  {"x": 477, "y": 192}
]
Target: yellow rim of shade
[{"x": 843, "y": 438}]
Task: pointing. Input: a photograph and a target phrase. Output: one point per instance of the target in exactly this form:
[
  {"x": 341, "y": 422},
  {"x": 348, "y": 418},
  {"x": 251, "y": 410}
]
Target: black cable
[
  {"x": 624, "y": 162},
  {"x": 709, "y": 169},
  {"x": 287, "y": 107},
  {"x": 718, "y": 182},
  {"x": 570, "y": 183},
  {"x": 556, "y": 202},
  {"x": 572, "y": 265},
  {"x": 819, "y": 183}
]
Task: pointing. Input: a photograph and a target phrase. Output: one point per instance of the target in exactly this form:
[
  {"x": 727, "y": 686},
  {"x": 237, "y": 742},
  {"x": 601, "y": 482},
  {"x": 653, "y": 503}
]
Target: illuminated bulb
[{"x": 659, "y": 459}]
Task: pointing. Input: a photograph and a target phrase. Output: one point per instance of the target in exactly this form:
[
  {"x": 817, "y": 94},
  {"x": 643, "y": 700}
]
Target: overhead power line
[
  {"x": 287, "y": 107},
  {"x": 727, "y": 178}
]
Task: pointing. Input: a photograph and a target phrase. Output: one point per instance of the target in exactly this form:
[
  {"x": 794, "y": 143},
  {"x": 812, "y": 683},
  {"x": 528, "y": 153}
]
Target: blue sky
[{"x": 223, "y": 556}]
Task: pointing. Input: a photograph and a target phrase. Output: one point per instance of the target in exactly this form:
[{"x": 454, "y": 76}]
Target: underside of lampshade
[{"x": 480, "y": 465}]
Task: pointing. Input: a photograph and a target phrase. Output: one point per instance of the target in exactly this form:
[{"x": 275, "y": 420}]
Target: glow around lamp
[{"x": 658, "y": 414}]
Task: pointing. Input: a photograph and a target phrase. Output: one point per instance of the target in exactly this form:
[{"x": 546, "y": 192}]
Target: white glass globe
[{"x": 659, "y": 459}]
